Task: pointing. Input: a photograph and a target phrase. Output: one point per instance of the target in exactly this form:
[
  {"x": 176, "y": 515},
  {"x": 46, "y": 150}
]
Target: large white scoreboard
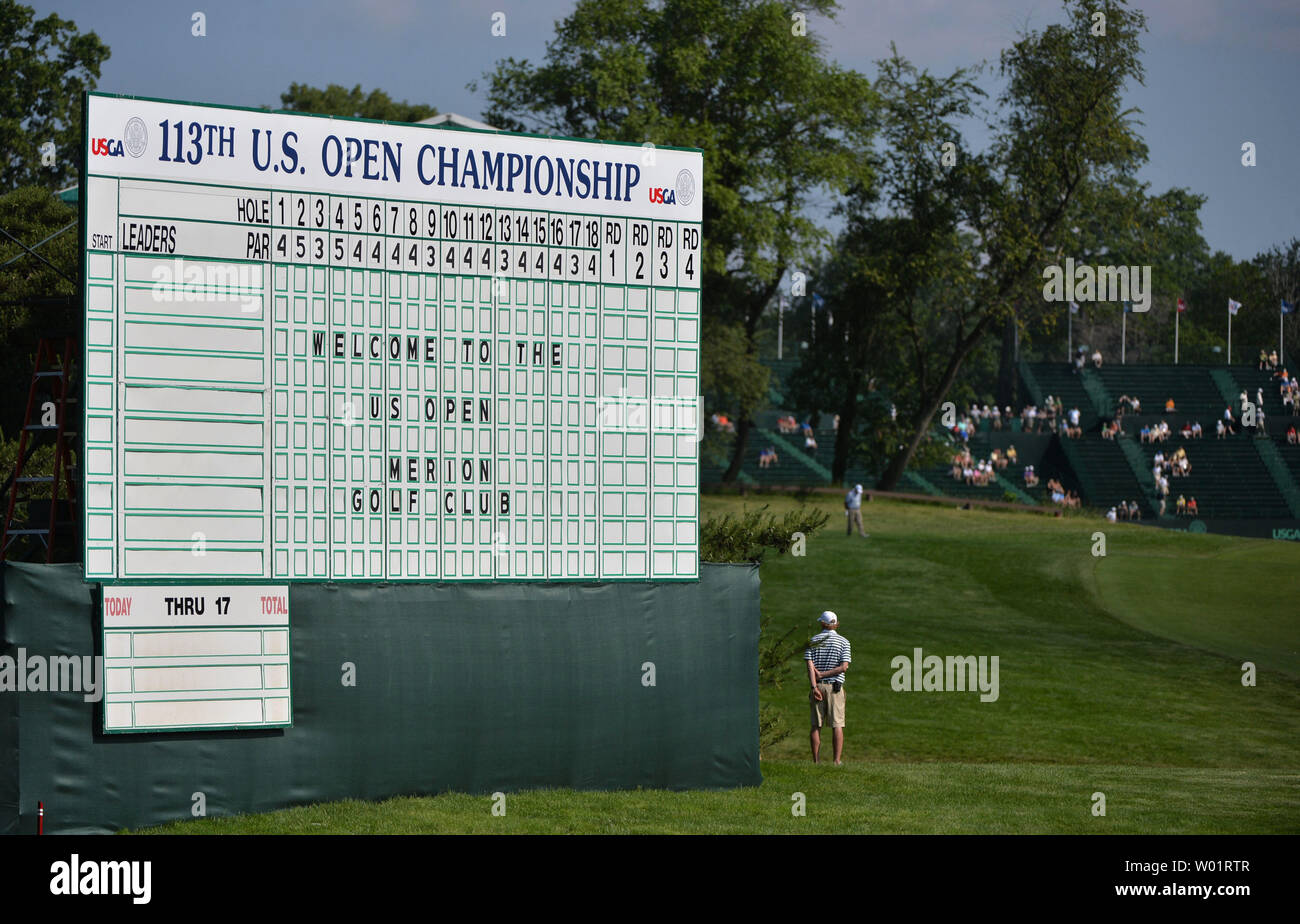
[{"x": 328, "y": 349}]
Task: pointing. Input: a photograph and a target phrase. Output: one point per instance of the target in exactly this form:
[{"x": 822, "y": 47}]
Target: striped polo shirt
[{"x": 827, "y": 649}]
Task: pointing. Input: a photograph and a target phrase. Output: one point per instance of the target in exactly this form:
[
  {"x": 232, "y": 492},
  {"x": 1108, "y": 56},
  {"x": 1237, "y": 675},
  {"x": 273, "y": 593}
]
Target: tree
[
  {"x": 1254, "y": 328},
  {"x": 1121, "y": 224},
  {"x": 1280, "y": 267},
  {"x": 1062, "y": 131},
  {"x": 778, "y": 124},
  {"x": 734, "y": 378},
  {"x": 36, "y": 295},
  {"x": 336, "y": 100},
  {"x": 45, "y": 65},
  {"x": 889, "y": 270}
]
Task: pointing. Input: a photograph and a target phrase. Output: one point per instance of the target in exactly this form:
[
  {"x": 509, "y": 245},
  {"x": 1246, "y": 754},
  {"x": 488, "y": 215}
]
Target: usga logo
[
  {"x": 135, "y": 137},
  {"x": 109, "y": 147},
  {"x": 662, "y": 195}
]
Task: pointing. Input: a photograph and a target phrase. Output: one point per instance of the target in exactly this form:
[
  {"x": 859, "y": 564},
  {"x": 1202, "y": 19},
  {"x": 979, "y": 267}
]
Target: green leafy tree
[
  {"x": 1280, "y": 267},
  {"x": 45, "y": 65},
  {"x": 779, "y": 126},
  {"x": 1060, "y": 130},
  {"x": 897, "y": 282},
  {"x": 734, "y": 378},
  {"x": 337, "y": 100},
  {"x": 1122, "y": 224},
  {"x": 38, "y": 295},
  {"x": 1254, "y": 328}
]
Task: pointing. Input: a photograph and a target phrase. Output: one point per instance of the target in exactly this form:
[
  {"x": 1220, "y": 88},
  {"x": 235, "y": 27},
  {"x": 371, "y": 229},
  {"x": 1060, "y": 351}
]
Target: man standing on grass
[
  {"x": 853, "y": 510},
  {"x": 828, "y": 656}
]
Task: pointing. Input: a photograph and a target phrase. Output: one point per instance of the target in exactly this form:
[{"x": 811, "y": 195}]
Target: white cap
[
  {"x": 828, "y": 619},
  {"x": 858, "y": 488}
]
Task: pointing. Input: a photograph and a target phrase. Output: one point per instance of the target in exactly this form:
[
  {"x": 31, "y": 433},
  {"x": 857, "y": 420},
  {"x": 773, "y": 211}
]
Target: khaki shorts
[{"x": 831, "y": 708}]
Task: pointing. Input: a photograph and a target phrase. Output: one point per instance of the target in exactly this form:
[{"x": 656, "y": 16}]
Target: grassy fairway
[
  {"x": 871, "y": 798},
  {"x": 1119, "y": 674}
]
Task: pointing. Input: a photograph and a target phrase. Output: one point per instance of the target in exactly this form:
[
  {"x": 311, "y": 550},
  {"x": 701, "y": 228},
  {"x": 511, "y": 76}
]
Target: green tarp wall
[{"x": 473, "y": 688}]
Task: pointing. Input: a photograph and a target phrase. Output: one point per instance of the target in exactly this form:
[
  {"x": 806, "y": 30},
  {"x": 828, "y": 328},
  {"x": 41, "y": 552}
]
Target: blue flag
[
  {"x": 817, "y": 301},
  {"x": 1128, "y": 307},
  {"x": 1287, "y": 307}
]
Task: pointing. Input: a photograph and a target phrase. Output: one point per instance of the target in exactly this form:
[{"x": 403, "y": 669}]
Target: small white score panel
[
  {"x": 181, "y": 658},
  {"x": 321, "y": 349}
]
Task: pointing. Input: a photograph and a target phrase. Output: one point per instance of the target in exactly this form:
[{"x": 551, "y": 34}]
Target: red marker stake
[{"x": 40, "y": 817}]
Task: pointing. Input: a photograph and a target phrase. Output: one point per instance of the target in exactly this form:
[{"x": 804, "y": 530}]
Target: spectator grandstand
[{"x": 1243, "y": 476}]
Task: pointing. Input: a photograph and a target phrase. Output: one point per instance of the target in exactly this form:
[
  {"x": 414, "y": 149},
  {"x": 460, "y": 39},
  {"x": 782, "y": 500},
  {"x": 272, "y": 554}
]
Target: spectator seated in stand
[
  {"x": 1169, "y": 406},
  {"x": 1272, "y": 360},
  {"x": 1186, "y": 431},
  {"x": 1110, "y": 515},
  {"x": 1134, "y": 513},
  {"x": 1031, "y": 477},
  {"x": 1191, "y": 508},
  {"x": 1292, "y": 436},
  {"x": 1144, "y": 435},
  {"x": 1263, "y": 361},
  {"x": 809, "y": 441},
  {"x": 1072, "y": 428},
  {"x": 1096, "y": 358},
  {"x": 767, "y": 458},
  {"x": 1228, "y": 423},
  {"x": 1180, "y": 505},
  {"x": 1197, "y": 432},
  {"x": 1122, "y": 512},
  {"x": 1011, "y": 453}
]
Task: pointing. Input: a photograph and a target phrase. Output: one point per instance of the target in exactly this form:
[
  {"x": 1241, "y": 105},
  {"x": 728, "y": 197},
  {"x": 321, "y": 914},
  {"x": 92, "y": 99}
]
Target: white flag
[
  {"x": 1233, "y": 306},
  {"x": 1074, "y": 307}
]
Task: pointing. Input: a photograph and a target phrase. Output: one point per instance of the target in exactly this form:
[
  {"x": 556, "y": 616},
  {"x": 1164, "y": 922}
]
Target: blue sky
[{"x": 1219, "y": 72}]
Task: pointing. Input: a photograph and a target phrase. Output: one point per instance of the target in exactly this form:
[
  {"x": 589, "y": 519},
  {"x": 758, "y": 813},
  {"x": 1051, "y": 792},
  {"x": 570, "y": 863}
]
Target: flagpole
[
  {"x": 1229, "y": 336},
  {"x": 1280, "y": 316},
  {"x": 780, "y": 325},
  {"x": 1069, "y": 345},
  {"x": 1123, "y": 340},
  {"x": 1178, "y": 316}
]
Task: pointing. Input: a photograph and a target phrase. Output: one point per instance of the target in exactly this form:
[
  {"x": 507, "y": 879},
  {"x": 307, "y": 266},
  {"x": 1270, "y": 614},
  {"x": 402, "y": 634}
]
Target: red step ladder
[{"x": 52, "y": 382}]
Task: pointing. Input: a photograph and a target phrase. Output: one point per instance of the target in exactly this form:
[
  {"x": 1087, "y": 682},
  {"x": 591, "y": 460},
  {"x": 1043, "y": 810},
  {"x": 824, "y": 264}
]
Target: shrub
[{"x": 747, "y": 538}]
